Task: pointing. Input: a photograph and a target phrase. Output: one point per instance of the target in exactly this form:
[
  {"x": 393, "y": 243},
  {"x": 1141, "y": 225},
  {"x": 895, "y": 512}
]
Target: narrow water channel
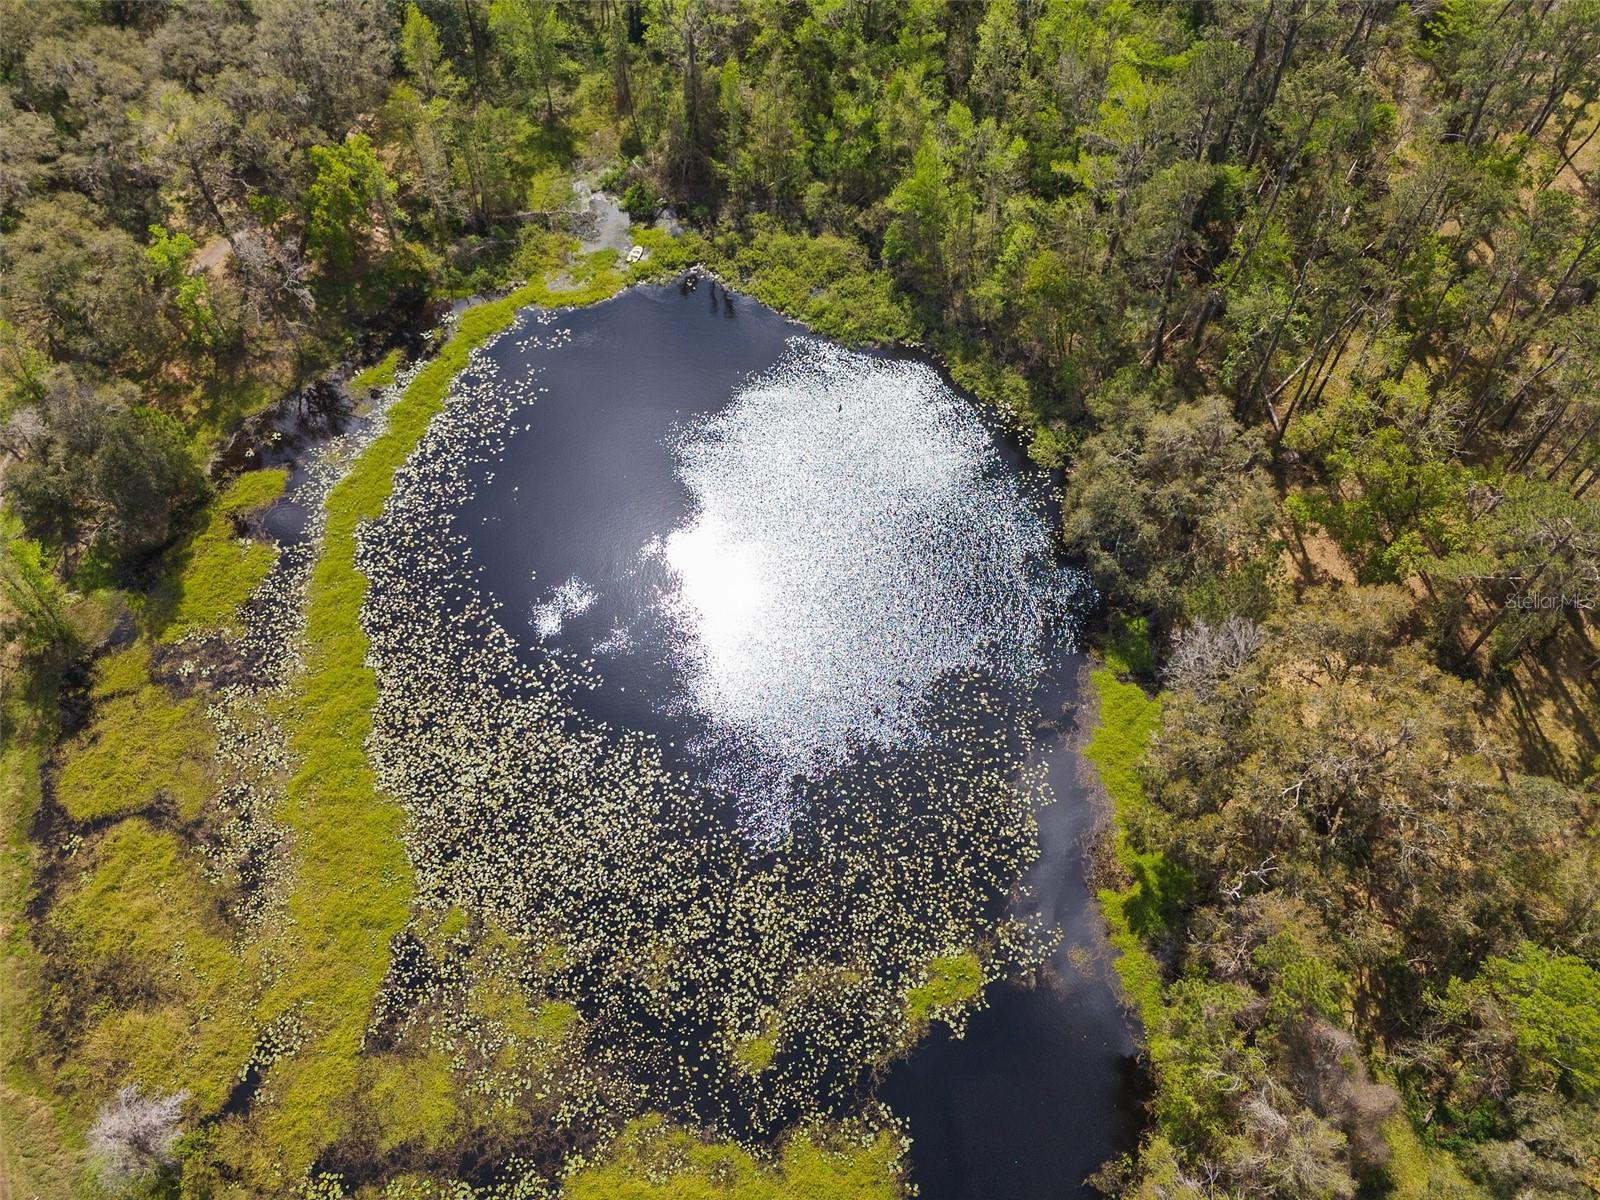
[{"x": 1043, "y": 1088}]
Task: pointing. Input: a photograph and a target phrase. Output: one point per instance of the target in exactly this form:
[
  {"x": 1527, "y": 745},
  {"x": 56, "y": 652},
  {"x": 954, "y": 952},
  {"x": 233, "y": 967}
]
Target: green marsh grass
[
  {"x": 217, "y": 570},
  {"x": 352, "y": 889},
  {"x": 953, "y": 980},
  {"x": 652, "y": 1161},
  {"x": 1128, "y": 718},
  {"x": 143, "y": 748}
]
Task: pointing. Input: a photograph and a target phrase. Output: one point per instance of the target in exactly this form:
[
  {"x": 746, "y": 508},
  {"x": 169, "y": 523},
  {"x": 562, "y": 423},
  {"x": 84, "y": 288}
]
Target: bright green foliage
[
  {"x": 921, "y": 206},
  {"x": 34, "y": 608},
  {"x": 530, "y": 33},
  {"x": 1127, "y": 719},
  {"x": 640, "y": 202},
  {"x": 253, "y": 490},
  {"x": 349, "y": 184},
  {"x": 1202, "y": 1058},
  {"x": 121, "y": 672},
  {"x": 1127, "y": 648},
  {"x": 1301, "y": 982},
  {"x": 168, "y": 255},
  {"x": 218, "y": 569},
  {"x": 423, "y": 55},
  {"x": 379, "y": 375},
  {"x": 144, "y": 921},
  {"x": 143, "y": 750},
  {"x": 826, "y": 281},
  {"x": 1418, "y": 1171},
  {"x": 555, "y": 1022},
  {"x": 654, "y": 1162},
  {"x": 953, "y": 980},
  {"x": 1555, "y": 1005}
]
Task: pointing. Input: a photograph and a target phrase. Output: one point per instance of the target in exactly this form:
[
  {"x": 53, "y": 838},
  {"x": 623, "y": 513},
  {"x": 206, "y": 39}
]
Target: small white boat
[{"x": 635, "y": 254}]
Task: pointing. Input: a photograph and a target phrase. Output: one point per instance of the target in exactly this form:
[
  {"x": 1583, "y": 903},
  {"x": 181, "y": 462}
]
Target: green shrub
[
  {"x": 639, "y": 202},
  {"x": 825, "y": 281},
  {"x": 1554, "y": 1001}
]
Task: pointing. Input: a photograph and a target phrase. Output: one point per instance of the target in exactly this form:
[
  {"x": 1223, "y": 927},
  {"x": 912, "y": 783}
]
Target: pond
[{"x": 734, "y": 671}]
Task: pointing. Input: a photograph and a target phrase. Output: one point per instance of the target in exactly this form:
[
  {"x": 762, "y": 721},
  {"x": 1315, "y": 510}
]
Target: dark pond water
[
  {"x": 766, "y": 551},
  {"x": 1043, "y": 1088}
]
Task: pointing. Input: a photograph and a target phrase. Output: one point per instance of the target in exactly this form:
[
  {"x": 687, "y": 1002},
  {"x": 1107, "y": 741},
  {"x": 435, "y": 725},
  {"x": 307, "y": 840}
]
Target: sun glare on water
[{"x": 720, "y": 581}]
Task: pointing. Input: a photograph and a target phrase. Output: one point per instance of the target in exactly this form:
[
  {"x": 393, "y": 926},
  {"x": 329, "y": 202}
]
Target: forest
[{"x": 1297, "y": 296}]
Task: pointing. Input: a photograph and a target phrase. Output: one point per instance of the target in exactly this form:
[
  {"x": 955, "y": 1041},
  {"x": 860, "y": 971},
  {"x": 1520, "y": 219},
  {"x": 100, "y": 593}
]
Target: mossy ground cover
[
  {"x": 140, "y": 981},
  {"x": 145, "y": 931},
  {"x": 755, "y": 1051},
  {"x": 144, "y": 749},
  {"x": 653, "y": 1161},
  {"x": 217, "y": 569},
  {"x": 38, "y": 1157},
  {"x": 1128, "y": 718},
  {"x": 1418, "y": 1171}
]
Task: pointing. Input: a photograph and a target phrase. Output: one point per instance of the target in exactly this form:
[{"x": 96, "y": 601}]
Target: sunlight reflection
[{"x": 720, "y": 580}]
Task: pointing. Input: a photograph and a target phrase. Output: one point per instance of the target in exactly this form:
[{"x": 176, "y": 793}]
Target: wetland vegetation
[{"x": 412, "y": 784}]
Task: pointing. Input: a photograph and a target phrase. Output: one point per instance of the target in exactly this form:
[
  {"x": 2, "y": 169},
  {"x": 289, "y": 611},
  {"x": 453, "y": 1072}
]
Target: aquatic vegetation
[
  {"x": 757, "y": 981},
  {"x": 589, "y": 939},
  {"x": 1128, "y": 718},
  {"x": 953, "y": 980},
  {"x": 376, "y": 377},
  {"x": 220, "y": 567},
  {"x": 652, "y": 1161},
  {"x": 350, "y": 890},
  {"x": 755, "y": 1053},
  {"x": 143, "y": 750}
]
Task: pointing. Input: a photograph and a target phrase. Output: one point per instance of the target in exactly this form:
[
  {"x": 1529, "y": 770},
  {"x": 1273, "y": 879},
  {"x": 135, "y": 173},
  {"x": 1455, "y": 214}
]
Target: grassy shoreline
[
  {"x": 1127, "y": 718},
  {"x": 353, "y": 888}
]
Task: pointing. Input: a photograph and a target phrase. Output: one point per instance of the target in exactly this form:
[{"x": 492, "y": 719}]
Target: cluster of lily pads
[{"x": 744, "y": 985}]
